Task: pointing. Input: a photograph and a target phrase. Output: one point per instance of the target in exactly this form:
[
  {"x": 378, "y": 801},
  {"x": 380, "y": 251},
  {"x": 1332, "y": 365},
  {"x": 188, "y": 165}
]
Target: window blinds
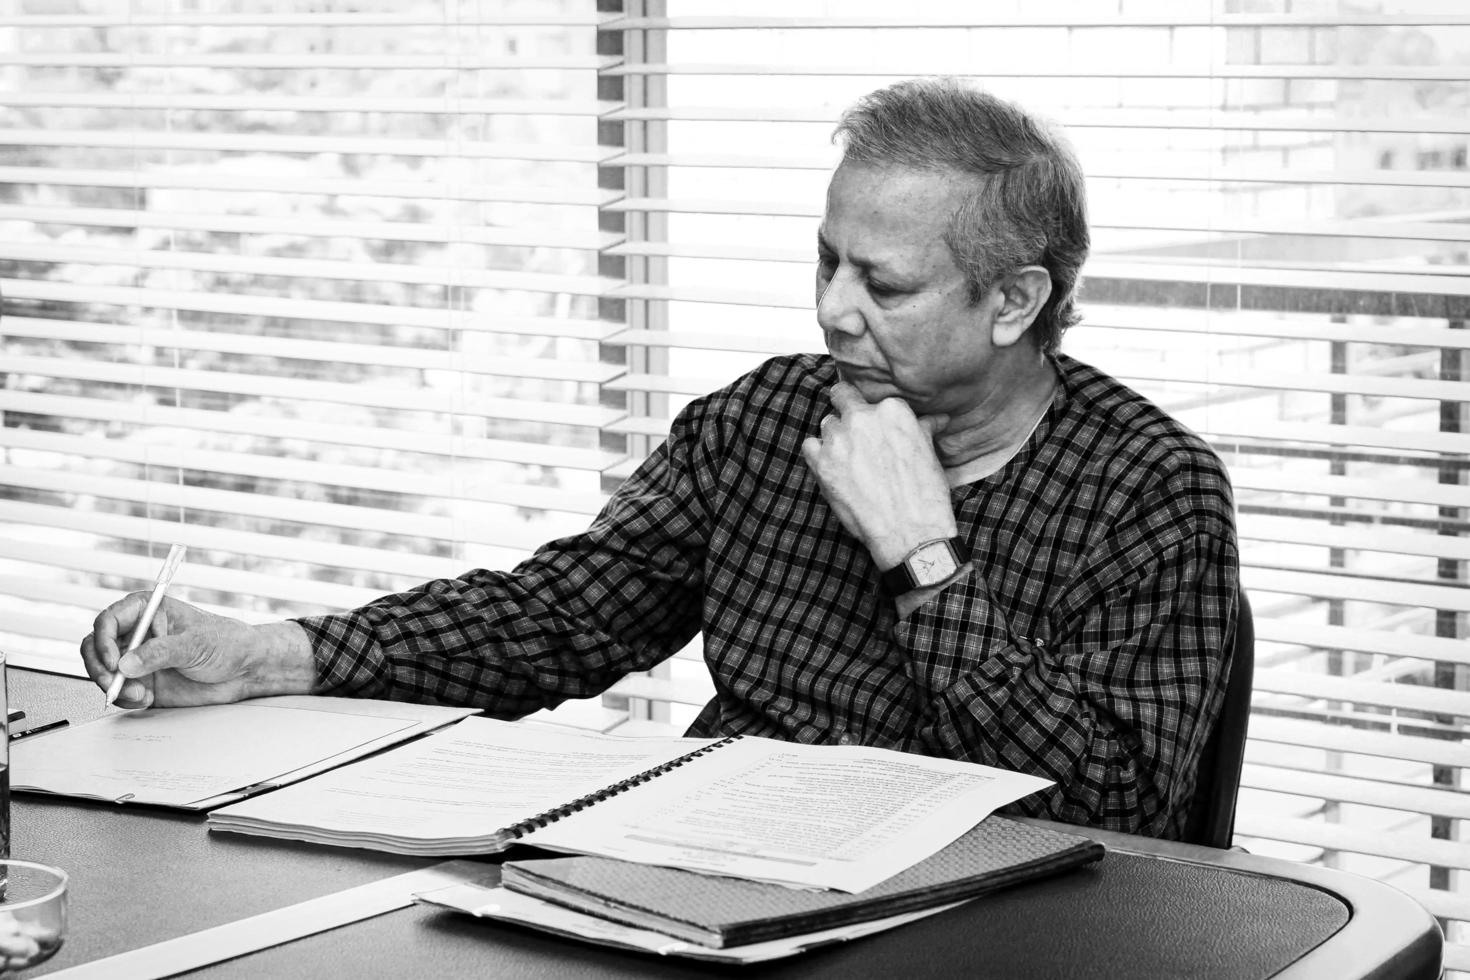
[{"x": 312, "y": 289}]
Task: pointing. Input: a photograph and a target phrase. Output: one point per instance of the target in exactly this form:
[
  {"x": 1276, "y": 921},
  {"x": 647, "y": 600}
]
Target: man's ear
[{"x": 1023, "y": 294}]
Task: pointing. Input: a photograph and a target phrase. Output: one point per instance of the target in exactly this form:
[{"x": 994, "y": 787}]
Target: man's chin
[{"x": 872, "y": 386}]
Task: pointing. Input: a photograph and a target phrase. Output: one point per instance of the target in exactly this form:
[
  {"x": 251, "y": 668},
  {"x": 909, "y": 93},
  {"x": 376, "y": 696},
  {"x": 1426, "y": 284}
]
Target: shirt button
[{"x": 845, "y": 739}]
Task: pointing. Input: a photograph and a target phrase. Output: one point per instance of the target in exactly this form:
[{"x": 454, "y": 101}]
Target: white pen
[{"x": 160, "y": 586}]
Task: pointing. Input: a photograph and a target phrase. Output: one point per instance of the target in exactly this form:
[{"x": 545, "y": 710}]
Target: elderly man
[{"x": 944, "y": 537}]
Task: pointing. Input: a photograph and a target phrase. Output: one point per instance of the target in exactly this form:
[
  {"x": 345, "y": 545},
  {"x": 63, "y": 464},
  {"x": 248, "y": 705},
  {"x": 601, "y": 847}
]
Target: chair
[{"x": 1211, "y": 818}]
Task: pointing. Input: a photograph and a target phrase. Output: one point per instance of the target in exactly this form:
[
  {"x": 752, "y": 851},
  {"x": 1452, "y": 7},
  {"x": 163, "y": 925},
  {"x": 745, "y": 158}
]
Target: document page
[
  {"x": 815, "y": 816},
  {"x": 452, "y": 792},
  {"x": 182, "y": 756}
]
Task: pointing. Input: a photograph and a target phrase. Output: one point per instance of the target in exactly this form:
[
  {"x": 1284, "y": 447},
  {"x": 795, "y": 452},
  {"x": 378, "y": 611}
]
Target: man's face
[{"x": 892, "y": 304}]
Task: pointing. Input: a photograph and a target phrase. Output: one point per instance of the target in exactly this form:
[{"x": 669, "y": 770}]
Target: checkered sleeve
[
  {"x": 1115, "y": 707},
  {"x": 1116, "y": 698},
  {"x": 567, "y": 623}
]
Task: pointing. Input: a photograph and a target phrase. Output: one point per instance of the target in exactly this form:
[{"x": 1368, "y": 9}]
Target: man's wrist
[
  {"x": 908, "y": 603},
  {"x": 927, "y": 565},
  {"x": 284, "y": 662}
]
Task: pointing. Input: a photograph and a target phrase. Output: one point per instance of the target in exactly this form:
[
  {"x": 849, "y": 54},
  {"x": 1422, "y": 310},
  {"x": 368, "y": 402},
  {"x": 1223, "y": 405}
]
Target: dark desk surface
[{"x": 1149, "y": 909}]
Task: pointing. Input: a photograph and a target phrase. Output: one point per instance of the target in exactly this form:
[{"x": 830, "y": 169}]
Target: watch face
[{"x": 933, "y": 563}]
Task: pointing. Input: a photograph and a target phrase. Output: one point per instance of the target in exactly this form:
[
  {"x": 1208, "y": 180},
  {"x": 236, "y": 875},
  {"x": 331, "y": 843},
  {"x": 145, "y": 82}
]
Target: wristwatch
[{"x": 929, "y": 564}]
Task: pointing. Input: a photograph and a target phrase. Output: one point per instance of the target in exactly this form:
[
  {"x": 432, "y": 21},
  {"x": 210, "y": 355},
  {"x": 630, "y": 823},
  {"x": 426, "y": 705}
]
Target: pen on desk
[
  {"x": 160, "y": 585},
  {"x": 38, "y": 729}
]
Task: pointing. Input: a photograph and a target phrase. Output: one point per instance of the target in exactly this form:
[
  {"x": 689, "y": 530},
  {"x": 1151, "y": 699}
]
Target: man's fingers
[
  {"x": 845, "y": 397},
  {"x": 134, "y": 694},
  {"x": 161, "y": 653},
  {"x": 100, "y": 673},
  {"x": 104, "y": 634},
  {"x": 933, "y": 424}
]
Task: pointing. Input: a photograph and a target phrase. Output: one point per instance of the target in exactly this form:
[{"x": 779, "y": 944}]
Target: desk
[{"x": 1149, "y": 909}]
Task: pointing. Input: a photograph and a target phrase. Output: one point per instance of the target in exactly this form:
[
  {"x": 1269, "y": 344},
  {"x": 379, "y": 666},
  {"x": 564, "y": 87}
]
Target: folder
[{"x": 719, "y": 912}]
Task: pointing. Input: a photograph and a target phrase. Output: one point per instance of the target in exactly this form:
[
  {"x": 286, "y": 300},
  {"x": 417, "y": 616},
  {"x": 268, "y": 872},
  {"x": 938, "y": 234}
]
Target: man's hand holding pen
[{"x": 194, "y": 657}]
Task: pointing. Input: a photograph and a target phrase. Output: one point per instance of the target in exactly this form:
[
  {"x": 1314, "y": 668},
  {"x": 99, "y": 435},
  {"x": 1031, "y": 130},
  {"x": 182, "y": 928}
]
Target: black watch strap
[{"x": 902, "y": 578}]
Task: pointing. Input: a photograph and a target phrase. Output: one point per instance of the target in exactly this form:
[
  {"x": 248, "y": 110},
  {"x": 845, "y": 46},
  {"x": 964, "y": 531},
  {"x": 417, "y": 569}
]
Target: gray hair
[{"x": 1027, "y": 205}]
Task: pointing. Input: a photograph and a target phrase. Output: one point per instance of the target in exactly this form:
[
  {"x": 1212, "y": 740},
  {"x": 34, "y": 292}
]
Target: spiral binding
[{"x": 518, "y": 830}]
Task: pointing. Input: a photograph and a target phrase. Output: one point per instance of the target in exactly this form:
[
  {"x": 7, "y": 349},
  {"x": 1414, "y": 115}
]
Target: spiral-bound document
[{"x": 836, "y": 817}]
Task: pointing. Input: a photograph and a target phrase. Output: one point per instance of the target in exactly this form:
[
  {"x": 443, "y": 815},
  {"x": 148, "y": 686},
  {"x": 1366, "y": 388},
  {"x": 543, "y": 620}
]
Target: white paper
[
  {"x": 182, "y": 756},
  {"x": 451, "y": 792},
  {"x": 484, "y": 901},
  {"x": 815, "y": 816}
]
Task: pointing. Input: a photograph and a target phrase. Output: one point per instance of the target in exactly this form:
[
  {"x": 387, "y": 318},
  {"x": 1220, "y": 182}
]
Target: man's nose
[{"x": 837, "y": 310}]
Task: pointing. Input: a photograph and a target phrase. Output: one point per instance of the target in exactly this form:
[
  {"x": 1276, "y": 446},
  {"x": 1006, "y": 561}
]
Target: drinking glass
[{"x": 32, "y": 915}]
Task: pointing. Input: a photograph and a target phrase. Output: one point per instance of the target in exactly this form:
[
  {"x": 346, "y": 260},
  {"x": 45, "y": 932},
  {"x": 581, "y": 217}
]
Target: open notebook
[{"x": 815, "y": 816}]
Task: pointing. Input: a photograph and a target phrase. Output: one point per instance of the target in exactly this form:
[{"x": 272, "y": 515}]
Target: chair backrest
[{"x": 1212, "y": 811}]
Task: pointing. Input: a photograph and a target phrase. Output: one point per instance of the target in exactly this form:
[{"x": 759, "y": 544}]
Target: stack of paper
[{"x": 675, "y": 912}]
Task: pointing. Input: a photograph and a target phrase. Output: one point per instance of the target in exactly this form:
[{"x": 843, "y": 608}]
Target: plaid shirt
[{"x": 1086, "y": 645}]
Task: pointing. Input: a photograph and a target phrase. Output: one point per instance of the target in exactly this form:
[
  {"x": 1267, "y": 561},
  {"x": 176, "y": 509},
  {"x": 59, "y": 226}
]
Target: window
[{"x": 344, "y": 296}]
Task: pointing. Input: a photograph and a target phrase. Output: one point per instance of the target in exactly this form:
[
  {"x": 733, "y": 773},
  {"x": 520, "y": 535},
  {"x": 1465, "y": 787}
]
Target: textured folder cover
[{"x": 722, "y": 912}]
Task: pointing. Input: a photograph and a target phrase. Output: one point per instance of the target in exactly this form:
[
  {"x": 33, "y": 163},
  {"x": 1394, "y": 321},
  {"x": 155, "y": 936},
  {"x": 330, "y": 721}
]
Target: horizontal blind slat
[
  {"x": 294, "y": 470},
  {"x": 166, "y": 257},
  {"x": 245, "y": 142},
  {"x": 417, "y": 440},
  {"x": 1340, "y": 738},
  {"x": 1362, "y": 589},
  {"x": 479, "y": 16},
  {"x": 1092, "y": 118},
  {"x": 1071, "y": 16},
  {"x": 1335, "y": 837},
  {"x": 202, "y": 538},
  {"x": 293, "y": 309},
  {"x": 486, "y": 192},
  {"x": 329, "y": 351},
  {"x": 1077, "y": 69},
  {"x": 169, "y": 499},
  {"x": 449, "y": 104},
  {"x": 139, "y": 58},
  {"x": 1131, "y": 170},
  {"x": 1261, "y": 774},
  {"x": 1393, "y": 644},
  {"x": 1402, "y": 696},
  {"x": 194, "y": 575},
  {"x": 424, "y": 399},
  {"x": 310, "y": 269},
  {"x": 49, "y": 328}
]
